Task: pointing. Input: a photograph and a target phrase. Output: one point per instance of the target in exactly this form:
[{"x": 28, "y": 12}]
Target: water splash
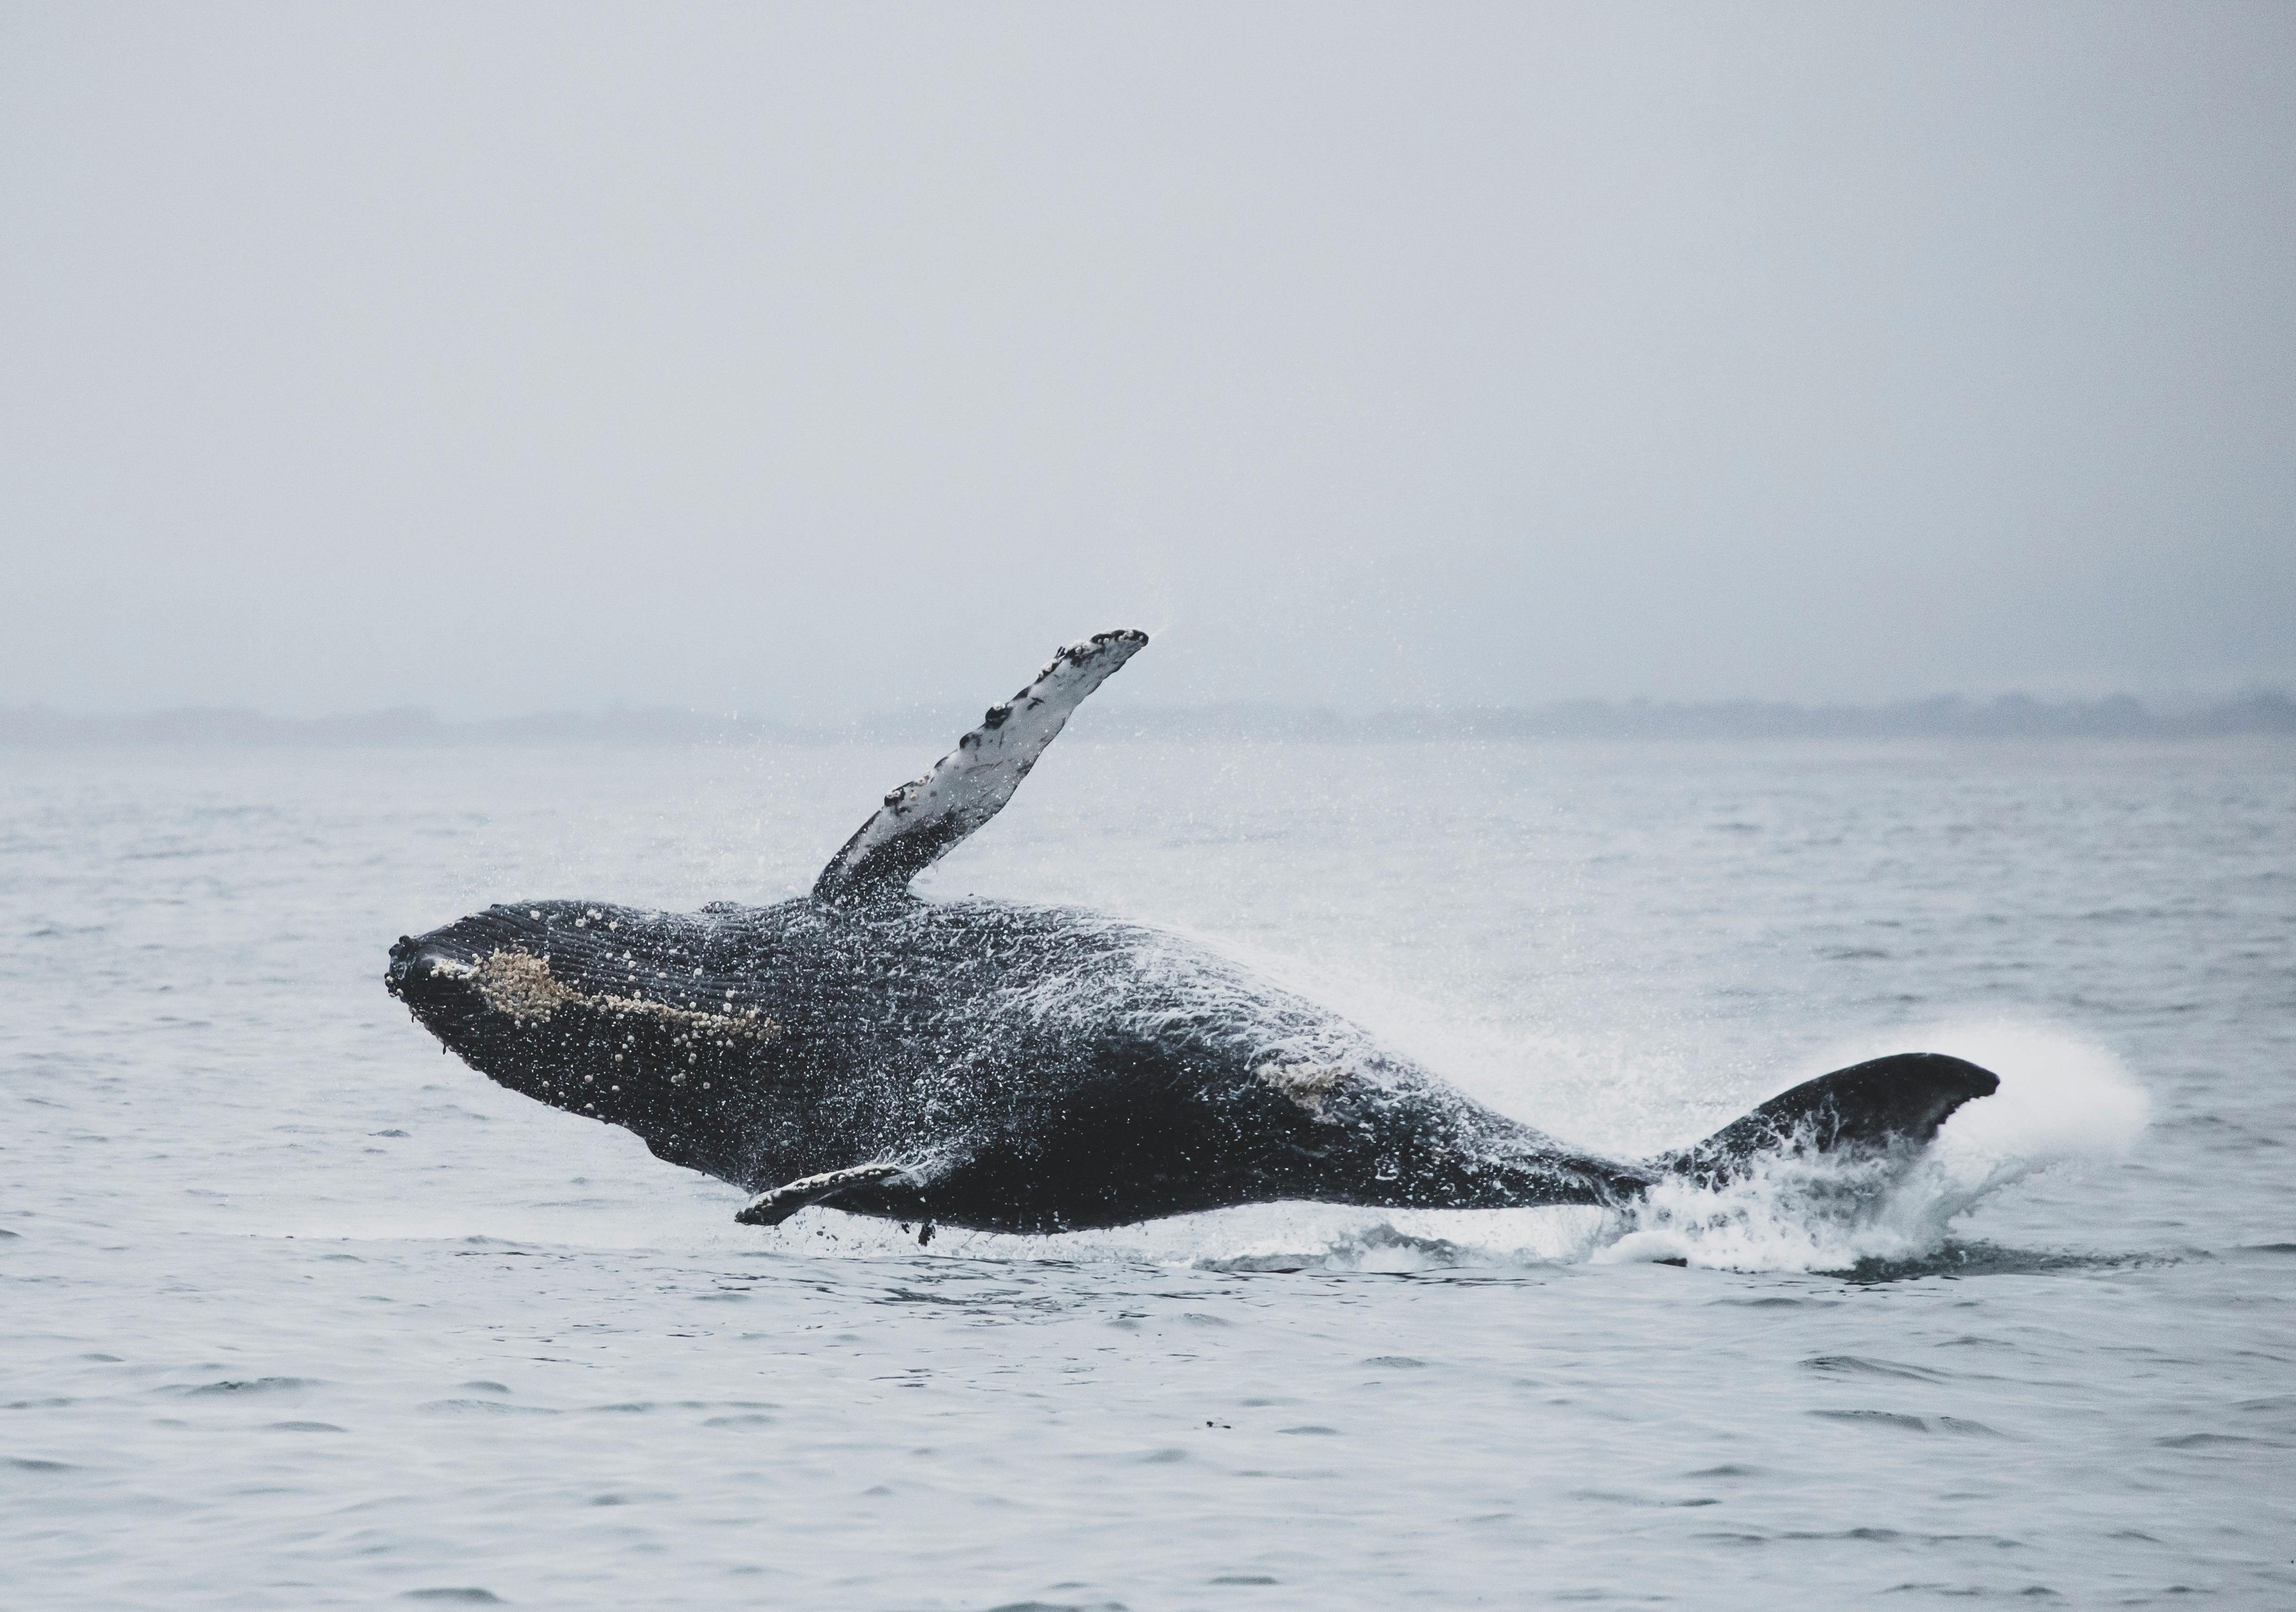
[{"x": 2062, "y": 1101}]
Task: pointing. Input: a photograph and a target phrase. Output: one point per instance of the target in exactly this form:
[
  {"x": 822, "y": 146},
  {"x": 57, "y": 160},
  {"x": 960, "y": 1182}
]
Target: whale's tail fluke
[{"x": 1889, "y": 1104}]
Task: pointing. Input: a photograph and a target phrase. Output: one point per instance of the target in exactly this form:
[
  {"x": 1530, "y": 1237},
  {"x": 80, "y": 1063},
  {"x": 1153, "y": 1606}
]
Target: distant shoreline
[{"x": 1949, "y": 716}]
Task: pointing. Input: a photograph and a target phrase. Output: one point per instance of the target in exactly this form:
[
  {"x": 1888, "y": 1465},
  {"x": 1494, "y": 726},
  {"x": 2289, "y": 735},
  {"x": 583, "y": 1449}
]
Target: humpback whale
[{"x": 1021, "y": 1068}]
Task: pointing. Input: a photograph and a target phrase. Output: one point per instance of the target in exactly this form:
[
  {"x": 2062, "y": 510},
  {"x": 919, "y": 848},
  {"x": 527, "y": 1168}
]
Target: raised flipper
[
  {"x": 972, "y": 783},
  {"x": 1898, "y": 1101},
  {"x": 776, "y": 1204}
]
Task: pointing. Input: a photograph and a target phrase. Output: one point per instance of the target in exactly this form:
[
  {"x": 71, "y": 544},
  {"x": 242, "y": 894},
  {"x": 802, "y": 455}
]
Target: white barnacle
[{"x": 519, "y": 984}]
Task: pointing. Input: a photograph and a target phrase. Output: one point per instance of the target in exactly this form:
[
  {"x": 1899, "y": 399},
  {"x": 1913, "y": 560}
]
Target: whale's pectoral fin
[
  {"x": 971, "y": 784},
  {"x": 1895, "y": 1102},
  {"x": 777, "y": 1204}
]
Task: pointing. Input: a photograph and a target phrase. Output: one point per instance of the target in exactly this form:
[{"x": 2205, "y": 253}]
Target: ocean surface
[{"x": 296, "y": 1312}]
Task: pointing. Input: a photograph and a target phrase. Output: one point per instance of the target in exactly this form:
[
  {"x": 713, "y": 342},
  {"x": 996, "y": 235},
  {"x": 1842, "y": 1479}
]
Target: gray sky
[{"x": 829, "y": 358}]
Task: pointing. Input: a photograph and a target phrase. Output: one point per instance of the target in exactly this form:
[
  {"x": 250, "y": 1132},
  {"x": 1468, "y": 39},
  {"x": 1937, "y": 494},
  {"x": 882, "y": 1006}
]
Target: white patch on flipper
[
  {"x": 971, "y": 784},
  {"x": 777, "y": 1204}
]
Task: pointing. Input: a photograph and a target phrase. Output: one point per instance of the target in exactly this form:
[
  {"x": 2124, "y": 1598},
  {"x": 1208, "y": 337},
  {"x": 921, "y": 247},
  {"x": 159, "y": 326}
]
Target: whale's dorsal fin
[{"x": 971, "y": 784}]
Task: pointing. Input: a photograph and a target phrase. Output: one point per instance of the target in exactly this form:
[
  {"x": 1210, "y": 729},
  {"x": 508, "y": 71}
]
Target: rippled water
[{"x": 299, "y": 1314}]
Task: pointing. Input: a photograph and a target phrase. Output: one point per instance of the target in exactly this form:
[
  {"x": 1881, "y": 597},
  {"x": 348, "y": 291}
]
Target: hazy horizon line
[{"x": 2013, "y": 715}]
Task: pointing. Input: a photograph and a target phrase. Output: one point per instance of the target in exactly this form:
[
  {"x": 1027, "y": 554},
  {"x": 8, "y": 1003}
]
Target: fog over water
[{"x": 520, "y": 357}]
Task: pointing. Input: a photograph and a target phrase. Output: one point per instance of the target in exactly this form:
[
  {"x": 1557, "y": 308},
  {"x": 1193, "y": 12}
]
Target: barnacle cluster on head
[{"x": 521, "y": 985}]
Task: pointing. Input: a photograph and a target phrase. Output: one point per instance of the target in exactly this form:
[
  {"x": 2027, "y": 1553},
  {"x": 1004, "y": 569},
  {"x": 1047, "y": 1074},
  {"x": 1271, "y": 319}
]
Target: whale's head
[
  {"x": 487, "y": 985},
  {"x": 607, "y": 1012}
]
